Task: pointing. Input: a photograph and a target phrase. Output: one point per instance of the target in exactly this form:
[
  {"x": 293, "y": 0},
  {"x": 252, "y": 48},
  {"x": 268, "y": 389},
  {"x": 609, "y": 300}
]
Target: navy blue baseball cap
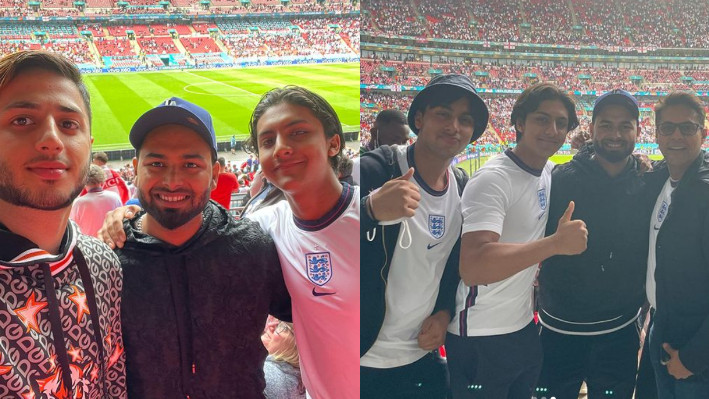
[
  {"x": 452, "y": 83},
  {"x": 616, "y": 97},
  {"x": 175, "y": 111}
]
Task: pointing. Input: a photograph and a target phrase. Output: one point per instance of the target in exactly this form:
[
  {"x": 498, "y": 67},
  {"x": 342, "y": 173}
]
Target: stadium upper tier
[
  {"x": 577, "y": 78},
  {"x": 646, "y": 24},
  {"x": 158, "y": 44},
  {"x": 23, "y": 9}
]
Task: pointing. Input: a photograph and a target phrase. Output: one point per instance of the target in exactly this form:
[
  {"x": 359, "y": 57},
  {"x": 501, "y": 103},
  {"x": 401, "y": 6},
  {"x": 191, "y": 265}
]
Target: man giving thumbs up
[
  {"x": 410, "y": 240},
  {"x": 492, "y": 343}
]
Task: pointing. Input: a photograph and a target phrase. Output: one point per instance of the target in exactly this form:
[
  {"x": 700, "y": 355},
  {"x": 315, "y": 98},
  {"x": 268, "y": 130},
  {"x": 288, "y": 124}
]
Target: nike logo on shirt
[
  {"x": 429, "y": 246},
  {"x": 315, "y": 293}
]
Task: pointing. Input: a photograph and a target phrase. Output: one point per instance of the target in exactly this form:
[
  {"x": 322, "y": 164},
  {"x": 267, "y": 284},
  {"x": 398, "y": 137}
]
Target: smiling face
[
  {"x": 543, "y": 131},
  {"x": 175, "y": 175},
  {"x": 293, "y": 149},
  {"x": 445, "y": 130},
  {"x": 680, "y": 150},
  {"x": 46, "y": 141},
  {"x": 614, "y": 132}
]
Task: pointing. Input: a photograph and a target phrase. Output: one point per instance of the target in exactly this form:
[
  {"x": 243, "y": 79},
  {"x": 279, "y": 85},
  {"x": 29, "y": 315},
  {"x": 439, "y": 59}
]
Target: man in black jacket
[
  {"x": 678, "y": 260},
  {"x": 198, "y": 285},
  {"x": 410, "y": 231},
  {"x": 588, "y": 302}
]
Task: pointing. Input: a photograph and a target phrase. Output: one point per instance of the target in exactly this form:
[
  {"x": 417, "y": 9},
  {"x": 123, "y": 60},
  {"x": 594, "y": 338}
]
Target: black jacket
[
  {"x": 682, "y": 271},
  {"x": 377, "y": 167},
  {"x": 603, "y": 287},
  {"x": 193, "y": 315}
]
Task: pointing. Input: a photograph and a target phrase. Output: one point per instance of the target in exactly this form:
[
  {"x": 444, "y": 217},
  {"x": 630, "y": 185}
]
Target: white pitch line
[{"x": 225, "y": 84}]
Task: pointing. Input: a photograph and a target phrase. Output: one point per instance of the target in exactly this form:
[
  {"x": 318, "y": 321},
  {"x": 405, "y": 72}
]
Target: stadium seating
[
  {"x": 158, "y": 45},
  {"x": 645, "y": 24},
  {"x": 199, "y": 45},
  {"x": 108, "y": 43}
]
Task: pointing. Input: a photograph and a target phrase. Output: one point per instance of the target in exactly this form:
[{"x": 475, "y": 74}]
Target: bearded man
[{"x": 198, "y": 284}]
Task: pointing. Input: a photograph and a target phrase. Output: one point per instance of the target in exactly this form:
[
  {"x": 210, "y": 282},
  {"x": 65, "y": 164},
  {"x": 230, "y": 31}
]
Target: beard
[
  {"x": 171, "y": 218},
  {"x": 615, "y": 155},
  {"x": 44, "y": 199}
]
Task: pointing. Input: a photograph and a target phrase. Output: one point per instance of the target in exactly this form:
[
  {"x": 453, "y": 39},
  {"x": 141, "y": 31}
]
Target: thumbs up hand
[
  {"x": 398, "y": 198},
  {"x": 571, "y": 235}
]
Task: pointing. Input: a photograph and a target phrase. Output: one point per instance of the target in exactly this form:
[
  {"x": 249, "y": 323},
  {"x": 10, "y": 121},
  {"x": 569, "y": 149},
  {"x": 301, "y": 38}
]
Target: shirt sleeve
[{"x": 485, "y": 201}]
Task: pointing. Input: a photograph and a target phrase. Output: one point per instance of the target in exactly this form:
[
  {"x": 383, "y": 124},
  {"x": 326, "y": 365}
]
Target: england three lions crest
[
  {"x": 542, "y": 194},
  {"x": 319, "y": 267},
  {"x": 437, "y": 225}
]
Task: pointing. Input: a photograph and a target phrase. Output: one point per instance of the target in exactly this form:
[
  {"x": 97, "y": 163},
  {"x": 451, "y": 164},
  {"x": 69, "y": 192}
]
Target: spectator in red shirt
[{"x": 226, "y": 184}]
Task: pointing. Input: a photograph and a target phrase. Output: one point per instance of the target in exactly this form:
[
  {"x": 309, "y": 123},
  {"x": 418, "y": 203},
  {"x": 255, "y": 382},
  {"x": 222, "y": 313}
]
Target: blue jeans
[{"x": 667, "y": 386}]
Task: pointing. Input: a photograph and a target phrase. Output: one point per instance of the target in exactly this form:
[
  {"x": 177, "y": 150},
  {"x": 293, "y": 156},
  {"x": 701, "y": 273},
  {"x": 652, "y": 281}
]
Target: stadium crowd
[
  {"x": 409, "y": 72},
  {"x": 635, "y": 23}
]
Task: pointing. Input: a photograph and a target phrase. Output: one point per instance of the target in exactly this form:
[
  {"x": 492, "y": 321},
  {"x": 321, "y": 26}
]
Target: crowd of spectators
[
  {"x": 76, "y": 50},
  {"x": 395, "y": 17},
  {"x": 311, "y": 38},
  {"x": 158, "y": 45},
  {"x": 62, "y": 8},
  {"x": 632, "y": 23},
  {"x": 114, "y": 47},
  {"x": 410, "y": 72}
]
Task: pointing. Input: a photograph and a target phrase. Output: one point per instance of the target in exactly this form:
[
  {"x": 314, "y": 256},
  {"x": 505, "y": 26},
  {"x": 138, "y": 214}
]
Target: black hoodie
[
  {"x": 603, "y": 288},
  {"x": 193, "y": 315}
]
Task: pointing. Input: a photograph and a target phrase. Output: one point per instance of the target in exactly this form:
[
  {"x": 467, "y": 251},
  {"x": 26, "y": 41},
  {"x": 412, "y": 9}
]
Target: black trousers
[
  {"x": 496, "y": 366},
  {"x": 608, "y": 363},
  {"x": 424, "y": 379}
]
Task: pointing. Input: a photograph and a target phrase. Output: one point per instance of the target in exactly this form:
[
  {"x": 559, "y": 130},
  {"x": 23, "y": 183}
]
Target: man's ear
[
  {"x": 334, "y": 145},
  {"x": 418, "y": 119},
  {"x": 216, "y": 167}
]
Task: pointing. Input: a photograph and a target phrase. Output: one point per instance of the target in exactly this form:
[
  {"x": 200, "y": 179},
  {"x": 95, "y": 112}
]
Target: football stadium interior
[
  {"x": 586, "y": 47},
  {"x": 222, "y": 54}
]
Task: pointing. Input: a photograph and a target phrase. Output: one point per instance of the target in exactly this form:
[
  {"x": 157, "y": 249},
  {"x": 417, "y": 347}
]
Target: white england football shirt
[
  {"x": 415, "y": 272},
  {"x": 320, "y": 262},
  {"x": 506, "y": 197},
  {"x": 662, "y": 205}
]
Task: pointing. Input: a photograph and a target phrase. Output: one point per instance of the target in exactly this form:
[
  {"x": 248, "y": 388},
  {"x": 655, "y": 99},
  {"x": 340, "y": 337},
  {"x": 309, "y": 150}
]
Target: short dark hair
[
  {"x": 222, "y": 161},
  {"x": 388, "y": 116},
  {"x": 100, "y": 156},
  {"x": 684, "y": 98},
  {"x": 303, "y": 97},
  {"x": 533, "y": 96},
  {"x": 18, "y": 63}
]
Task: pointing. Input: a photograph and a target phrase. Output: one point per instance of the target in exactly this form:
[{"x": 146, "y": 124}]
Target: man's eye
[
  {"x": 156, "y": 164},
  {"x": 22, "y": 121},
  {"x": 70, "y": 125},
  {"x": 266, "y": 142},
  {"x": 191, "y": 165}
]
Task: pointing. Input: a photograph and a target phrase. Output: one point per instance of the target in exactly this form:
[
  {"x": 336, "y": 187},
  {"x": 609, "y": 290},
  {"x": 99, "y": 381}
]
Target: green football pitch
[{"x": 230, "y": 95}]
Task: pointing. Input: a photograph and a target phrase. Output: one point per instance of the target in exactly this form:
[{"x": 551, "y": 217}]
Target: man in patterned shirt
[{"x": 59, "y": 290}]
